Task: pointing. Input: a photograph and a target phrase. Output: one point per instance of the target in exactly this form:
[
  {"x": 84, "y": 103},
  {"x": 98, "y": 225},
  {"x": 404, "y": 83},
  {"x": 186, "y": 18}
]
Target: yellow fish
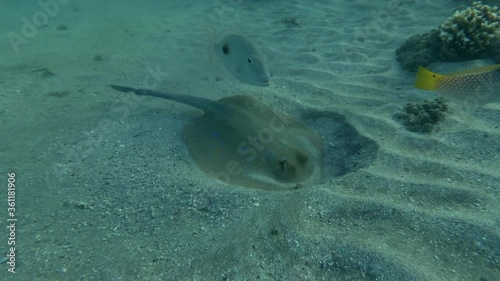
[{"x": 477, "y": 86}]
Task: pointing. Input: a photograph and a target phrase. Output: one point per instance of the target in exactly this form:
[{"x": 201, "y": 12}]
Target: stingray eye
[
  {"x": 283, "y": 166},
  {"x": 225, "y": 49},
  {"x": 249, "y": 60}
]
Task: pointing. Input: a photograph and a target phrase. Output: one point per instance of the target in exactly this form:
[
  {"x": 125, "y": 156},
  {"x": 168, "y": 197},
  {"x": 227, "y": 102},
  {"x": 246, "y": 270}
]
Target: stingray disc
[{"x": 253, "y": 145}]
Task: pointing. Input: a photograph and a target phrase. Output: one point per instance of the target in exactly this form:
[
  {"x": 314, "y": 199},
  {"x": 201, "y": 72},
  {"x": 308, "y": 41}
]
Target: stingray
[{"x": 239, "y": 140}]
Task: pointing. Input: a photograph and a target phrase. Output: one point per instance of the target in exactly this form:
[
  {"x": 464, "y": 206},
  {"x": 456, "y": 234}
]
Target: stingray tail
[{"x": 201, "y": 103}]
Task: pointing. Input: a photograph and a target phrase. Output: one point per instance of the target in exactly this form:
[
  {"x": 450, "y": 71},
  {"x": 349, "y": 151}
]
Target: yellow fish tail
[{"x": 427, "y": 80}]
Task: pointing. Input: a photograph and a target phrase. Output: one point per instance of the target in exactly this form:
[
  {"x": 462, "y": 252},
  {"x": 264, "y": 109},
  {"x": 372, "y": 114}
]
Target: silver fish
[{"x": 242, "y": 59}]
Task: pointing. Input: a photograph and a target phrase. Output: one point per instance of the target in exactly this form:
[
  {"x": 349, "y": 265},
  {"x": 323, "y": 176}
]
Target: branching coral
[
  {"x": 423, "y": 117},
  {"x": 470, "y": 32}
]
